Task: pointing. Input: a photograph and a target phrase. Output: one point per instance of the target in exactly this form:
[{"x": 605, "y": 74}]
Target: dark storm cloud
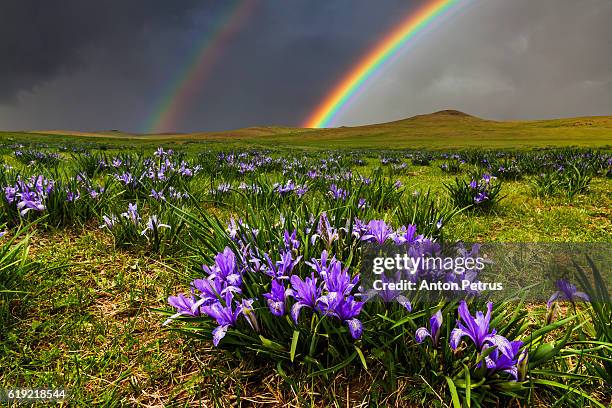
[
  {"x": 40, "y": 40},
  {"x": 102, "y": 65}
]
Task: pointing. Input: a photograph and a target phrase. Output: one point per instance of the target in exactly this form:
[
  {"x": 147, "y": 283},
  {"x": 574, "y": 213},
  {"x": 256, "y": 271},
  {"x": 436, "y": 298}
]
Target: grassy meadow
[{"x": 100, "y": 229}]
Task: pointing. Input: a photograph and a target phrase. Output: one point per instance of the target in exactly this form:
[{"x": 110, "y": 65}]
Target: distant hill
[{"x": 443, "y": 129}]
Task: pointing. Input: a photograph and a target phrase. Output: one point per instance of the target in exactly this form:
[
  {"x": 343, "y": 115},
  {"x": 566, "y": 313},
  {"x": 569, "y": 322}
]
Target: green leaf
[
  {"x": 294, "y": 343},
  {"x": 270, "y": 344},
  {"x": 361, "y": 357},
  {"x": 468, "y": 386},
  {"x": 453, "y": 392}
]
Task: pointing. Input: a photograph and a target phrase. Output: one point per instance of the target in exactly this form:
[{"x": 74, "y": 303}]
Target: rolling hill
[{"x": 443, "y": 129}]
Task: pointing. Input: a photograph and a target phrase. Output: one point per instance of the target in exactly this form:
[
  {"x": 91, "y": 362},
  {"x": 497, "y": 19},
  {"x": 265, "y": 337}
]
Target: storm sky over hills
[{"x": 91, "y": 65}]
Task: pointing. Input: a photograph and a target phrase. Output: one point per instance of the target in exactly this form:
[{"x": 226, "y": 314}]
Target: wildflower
[
  {"x": 183, "y": 306},
  {"x": 157, "y": 195},
  {"x": 497, "y": 361},
  {"x": 249, "y": 313},
  {"x": 132, "y": 213},
  {"x": 566, "y": 291},
  {"x": 276, "y": 298},
  {"x": 26, "y": 205},
  {"x": 477, "y": 329},
  {"x": 301, "y": 190},
  {"x": 280, "y": 269},
  {"x": 72, "y": 197},
  {"x": 224, "y": 187},
  {"x": 435, "y": 323},
  {"x": 226, "y": 316},
  {"x": 406, "y": 235},
  {"x": 336, "y": 279},
  {"x": 290, "y": 240},
  {"x": 337, "y": 193},
  {"x": 224, "y": 268},
  {"x": 345, "y": 309},
  {"x": 305, "y": 292},
  {"x": 325, "y": 231},
  {"x": 109, "y": 221},
  {"x": 378, "y": 231},
  {"x": 10, "y": 193},
  {"x": 153, "y": 225},
  {"x": 480, "y": 197}
]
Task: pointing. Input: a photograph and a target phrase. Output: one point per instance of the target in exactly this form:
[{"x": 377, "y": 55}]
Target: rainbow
[
  {"x": 374, "y": 60},
  {"x": 179, "y": 94}
]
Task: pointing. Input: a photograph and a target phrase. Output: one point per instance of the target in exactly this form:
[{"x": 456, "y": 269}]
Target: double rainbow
[
  {"x": 374, "y": 60},
  {"x": 180, "y": 93}
]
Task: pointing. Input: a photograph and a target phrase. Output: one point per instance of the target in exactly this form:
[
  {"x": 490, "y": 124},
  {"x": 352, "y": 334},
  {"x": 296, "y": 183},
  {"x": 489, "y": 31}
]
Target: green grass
[{"x": 87, "y": 322}]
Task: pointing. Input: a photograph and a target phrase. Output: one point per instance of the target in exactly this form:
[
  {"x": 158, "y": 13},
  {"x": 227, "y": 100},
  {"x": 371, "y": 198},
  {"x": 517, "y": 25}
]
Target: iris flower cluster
[
  {"x": 29, "y": 195},
  {"x": 481, "y": 188},
  {"x": 216, "y": 296},
  {"x": 506, "y": 357}
]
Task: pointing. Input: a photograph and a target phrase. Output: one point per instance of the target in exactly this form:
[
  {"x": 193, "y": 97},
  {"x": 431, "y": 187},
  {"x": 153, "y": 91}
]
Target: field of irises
[{"x": 194, "y": 275}]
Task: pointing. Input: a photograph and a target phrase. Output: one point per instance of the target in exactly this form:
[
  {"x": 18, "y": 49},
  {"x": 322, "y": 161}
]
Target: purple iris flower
[
  {"x": 226, "y": 316},
  {"x": 320, "y": 265},
  {"x": 305, "y": 292},
  {"x": 337, "y": 279},
  {"x": 378, "y": 231},
  {"x": 224, "y": 187},
  {"x": 473, "y": 184},
  {"x": 71, "y": 196},
  {"x": 567, "y": 291},
  {"x": 153, "y": 224},
  {"x": 286, "y": 264},
  {"x": 210, "y": 291},
  {"x": 337, "y": 193},
  {"x": 30, "y": 204},
  {"x": 132, "y": 213},
  {"x": 435, "y": 323},
  {"x": 109, "y": 221},
  {"x": 9, "y": 193},
  {"x": 359, "y": 228},
  {"x": 290, "y": 240},
  {"x": 480, "y": 197},
  {"x": 325, "y": 231},
  {"x": 406, "y": 235},
  {"x": 346, "y": 309},
  {"x": 478, "y": 330},
  {"x": 276, "y": 298},
  {"x": 497, "y": 361},
  {"x": 287, "y": 188},
  {"x": 158, "y": 195},
  {"x": 224, "y": 268},
  {"x": 183, "y": 306},
  {"x": 280, "y": 269},
  {"x": 300, "y": 190}
]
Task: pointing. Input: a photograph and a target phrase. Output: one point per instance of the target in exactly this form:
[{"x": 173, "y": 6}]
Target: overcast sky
[{"x": 92, "y": 65}]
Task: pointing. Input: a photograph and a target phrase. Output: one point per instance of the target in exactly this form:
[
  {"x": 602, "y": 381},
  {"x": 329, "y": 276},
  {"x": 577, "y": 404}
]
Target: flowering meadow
[{"x": 209, "y": 275}]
